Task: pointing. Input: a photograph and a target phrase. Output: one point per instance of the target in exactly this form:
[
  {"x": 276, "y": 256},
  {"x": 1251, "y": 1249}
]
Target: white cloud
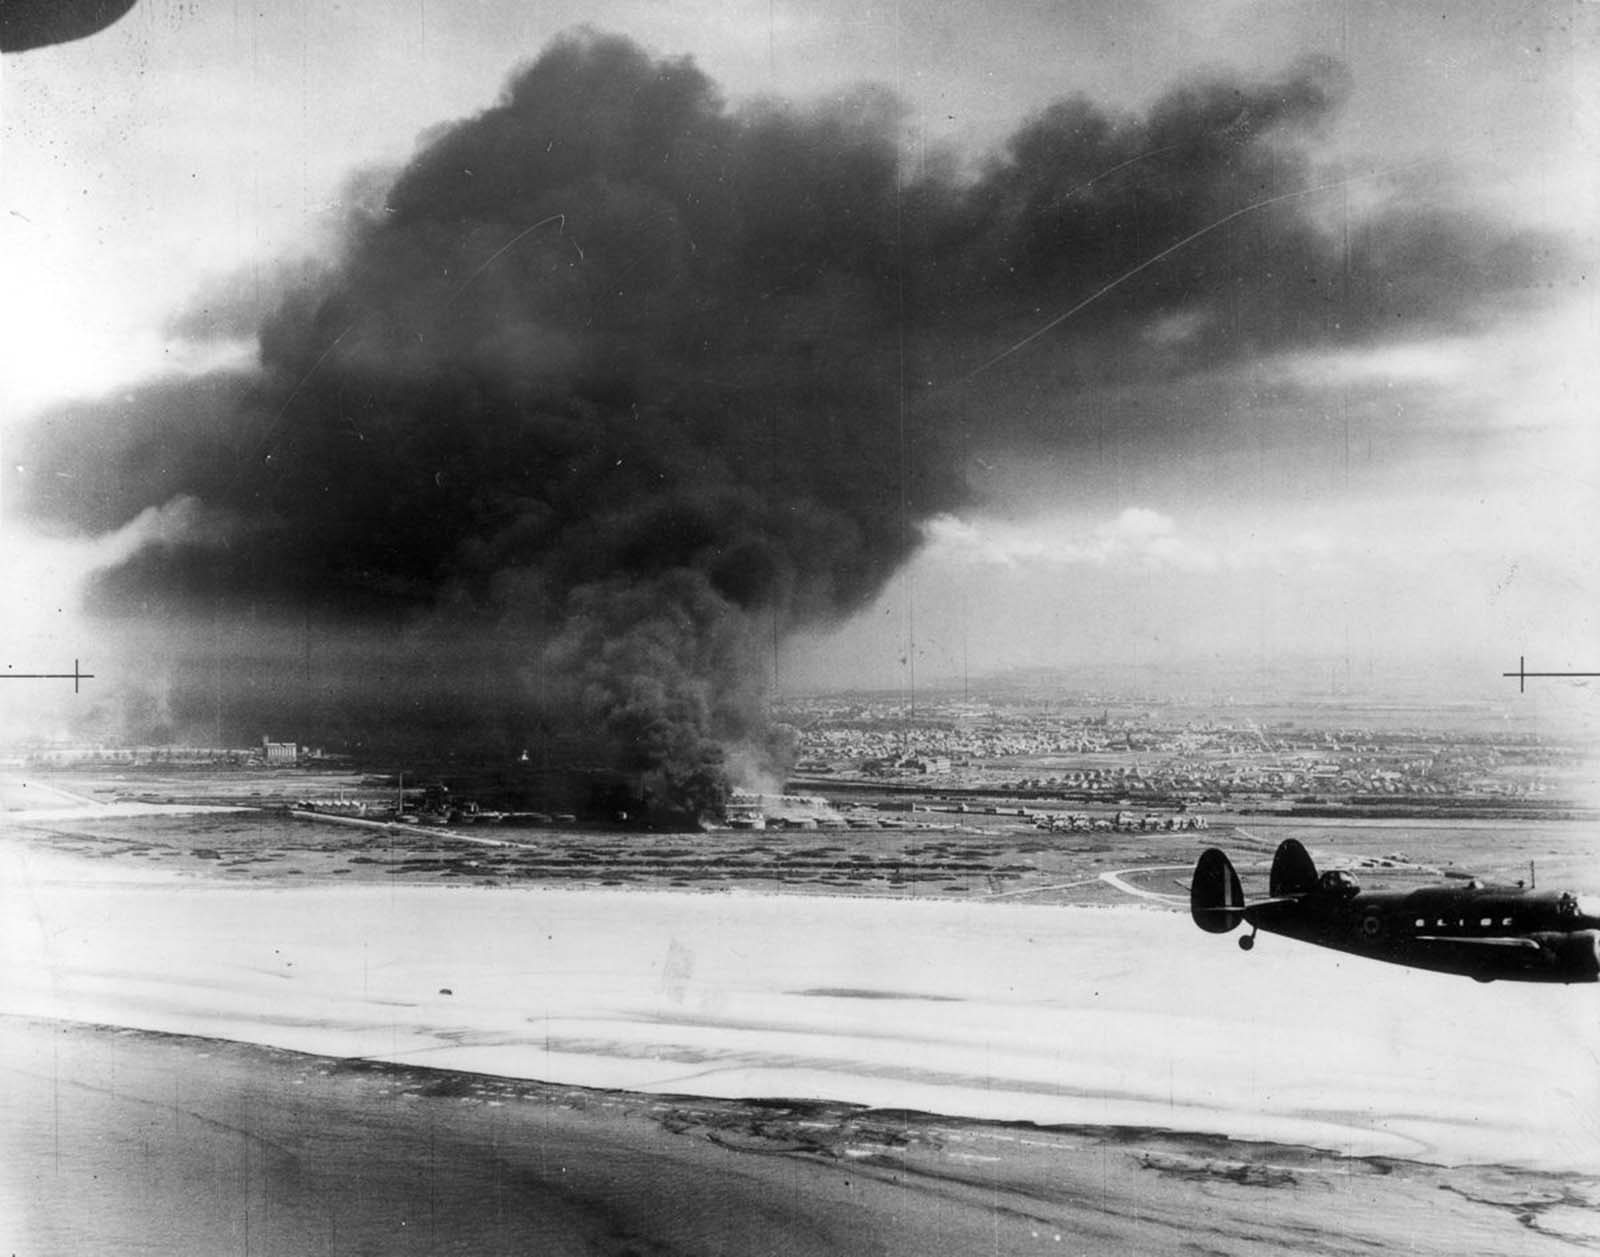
[
  {"x": 66, "y": 339},
  {"x": 1444, "y": 361},
  {"x": 1175, "y": 330},
  {"x": 1137, "y": 537},
  {"x": 49, "y": 370},
  {"x": 54, "y": 570}
]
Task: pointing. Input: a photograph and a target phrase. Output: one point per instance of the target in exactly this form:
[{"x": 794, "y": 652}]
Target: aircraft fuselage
[
  {"x": 1523, "y": 935},
  {"x": 1514, "y": 933}
]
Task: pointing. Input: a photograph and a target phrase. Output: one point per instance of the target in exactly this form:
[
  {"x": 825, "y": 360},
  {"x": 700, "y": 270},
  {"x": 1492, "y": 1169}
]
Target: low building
[{"x": 279, "y": 752}]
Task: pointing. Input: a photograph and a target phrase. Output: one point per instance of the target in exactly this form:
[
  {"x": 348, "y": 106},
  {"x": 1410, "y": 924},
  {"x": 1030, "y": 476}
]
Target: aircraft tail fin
[
  {"x": 1216, "y": 900},
  {"x": 1293, "y": 872}
]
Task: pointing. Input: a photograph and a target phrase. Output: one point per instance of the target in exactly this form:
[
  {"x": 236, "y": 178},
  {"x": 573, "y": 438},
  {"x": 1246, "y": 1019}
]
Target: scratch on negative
[{"x": 1059, "y": 319}]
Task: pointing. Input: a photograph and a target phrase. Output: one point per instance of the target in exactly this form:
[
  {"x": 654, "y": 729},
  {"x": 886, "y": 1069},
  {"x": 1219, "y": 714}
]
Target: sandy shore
[
  {"x": 1002, "y": 1011},
  {"x": 119, "y": 1142},
  {"x": 389, "y": 1102}
]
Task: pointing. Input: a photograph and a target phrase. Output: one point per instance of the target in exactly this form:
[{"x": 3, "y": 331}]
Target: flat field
[{"x": 920, "y": 854}]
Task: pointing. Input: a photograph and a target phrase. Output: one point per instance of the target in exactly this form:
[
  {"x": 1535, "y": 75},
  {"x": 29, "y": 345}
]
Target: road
[{"x": 1117, "y": 880}]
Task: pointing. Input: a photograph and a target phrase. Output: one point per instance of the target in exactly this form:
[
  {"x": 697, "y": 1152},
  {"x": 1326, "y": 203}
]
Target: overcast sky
[{"x": 1421, "y": 489}]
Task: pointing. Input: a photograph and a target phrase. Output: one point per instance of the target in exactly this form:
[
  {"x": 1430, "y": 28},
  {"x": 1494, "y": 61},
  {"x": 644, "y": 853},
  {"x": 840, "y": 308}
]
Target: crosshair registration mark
[
  {"x": 76, "y": 676},
  {"x": 1522, "y": 674}
]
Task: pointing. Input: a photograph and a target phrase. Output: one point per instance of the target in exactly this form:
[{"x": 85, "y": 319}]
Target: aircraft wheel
[{"x": 1247, "y": 942}]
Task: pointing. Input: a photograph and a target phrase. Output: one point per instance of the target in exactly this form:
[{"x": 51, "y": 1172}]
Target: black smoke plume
[{"x": 617, "y": 385}]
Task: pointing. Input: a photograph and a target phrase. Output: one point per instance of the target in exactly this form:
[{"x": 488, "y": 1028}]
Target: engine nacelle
[{"x": 1576, "y": 954}]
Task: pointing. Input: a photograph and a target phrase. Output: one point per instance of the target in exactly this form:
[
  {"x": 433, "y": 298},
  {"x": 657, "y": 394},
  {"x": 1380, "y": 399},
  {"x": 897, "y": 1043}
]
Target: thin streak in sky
[
  {"x": 1168, "y": 252},
  {"x": 506, "y": 247},
  {"x": 1121, "y": 165}
]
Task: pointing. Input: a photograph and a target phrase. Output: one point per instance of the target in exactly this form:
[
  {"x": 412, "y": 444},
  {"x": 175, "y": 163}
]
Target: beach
[
  {"x": 857, "y": 1075},
  {"x": 122, "y": 1142}
]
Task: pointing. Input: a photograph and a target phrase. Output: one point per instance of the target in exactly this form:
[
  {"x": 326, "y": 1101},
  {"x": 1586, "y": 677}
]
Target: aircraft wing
[{"x": 1524, "y": 944}]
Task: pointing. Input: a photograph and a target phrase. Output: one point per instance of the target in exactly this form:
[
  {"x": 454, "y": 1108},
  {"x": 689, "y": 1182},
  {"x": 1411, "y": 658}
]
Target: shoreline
[
  {"x": 185, "y": 1144},
  {"x": 1112, "y": 1018},
  {"x": 339, "y": 1065}
]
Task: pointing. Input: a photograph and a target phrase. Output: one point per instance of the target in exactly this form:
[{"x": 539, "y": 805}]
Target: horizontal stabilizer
[{"x": 1216, "y": 900}]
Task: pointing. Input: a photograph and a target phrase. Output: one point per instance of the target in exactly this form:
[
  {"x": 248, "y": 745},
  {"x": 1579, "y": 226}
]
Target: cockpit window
[{"x": 1338, "y": 882}]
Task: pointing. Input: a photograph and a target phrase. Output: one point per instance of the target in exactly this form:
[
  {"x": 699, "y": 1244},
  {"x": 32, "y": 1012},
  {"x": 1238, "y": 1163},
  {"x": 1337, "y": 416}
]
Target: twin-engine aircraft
[{"x": 1482, "y": 932}]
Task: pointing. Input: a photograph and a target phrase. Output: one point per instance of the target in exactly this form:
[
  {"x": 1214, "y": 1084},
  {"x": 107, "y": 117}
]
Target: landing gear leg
[{"x": 1248, "y": 941}]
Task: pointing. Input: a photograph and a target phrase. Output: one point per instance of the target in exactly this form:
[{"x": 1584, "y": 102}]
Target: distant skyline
[{"x": 1204, "y": 464}]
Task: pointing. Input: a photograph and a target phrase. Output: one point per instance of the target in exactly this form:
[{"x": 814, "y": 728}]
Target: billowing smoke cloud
[{"x": 617, "y": 385}]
